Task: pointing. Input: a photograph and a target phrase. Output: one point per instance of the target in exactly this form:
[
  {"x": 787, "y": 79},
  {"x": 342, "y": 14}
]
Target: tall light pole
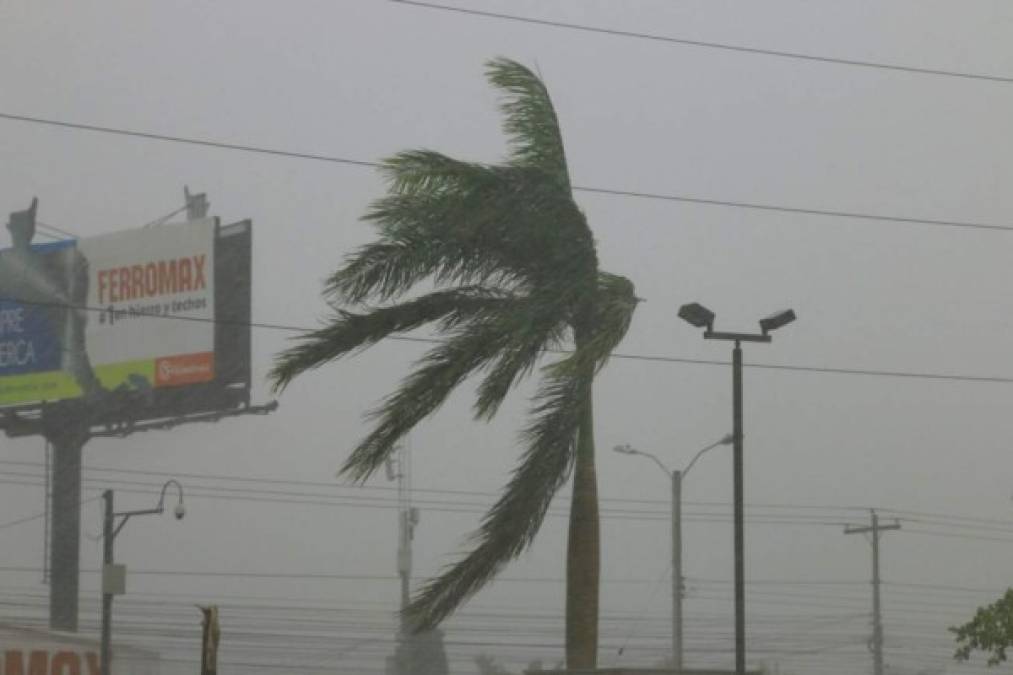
[
  {"x": 676, "y": 477},
  {"x": 113, "y": 576},
  {"x": 699, "y": 316}
]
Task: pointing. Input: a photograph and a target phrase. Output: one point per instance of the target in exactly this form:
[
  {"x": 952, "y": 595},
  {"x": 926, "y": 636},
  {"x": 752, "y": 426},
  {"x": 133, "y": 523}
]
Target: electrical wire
[
  {"x": 655, "y": 37},
  {"x": 36, "y": 516},
  {"x": 893, "y": 374},
  {"x": 214, "y": 485},
  {"x": 635, "y": 194}
]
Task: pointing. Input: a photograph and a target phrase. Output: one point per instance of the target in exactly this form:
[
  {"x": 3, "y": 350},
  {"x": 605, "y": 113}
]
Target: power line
[
  {"x": 711, "y": 45},
  {"x": 350, "y": 501},
  {"x": 806, "y": 509},
  {"x": 353, "y": 501},
  {"x": 688, "y": 199},
  {"x": 906, "y": 514},
  {"x": 832, "y": 213},
  {"x": 189, "y": 141},
  {"x": 953, "y": 535},
  {"x": 326, "y": 576},
  {"x": 36, "y": 516},
  {"x": 415, "y": 491},
  {"x": 895, "y": 374},
  {"x": 831, "y": 514}
]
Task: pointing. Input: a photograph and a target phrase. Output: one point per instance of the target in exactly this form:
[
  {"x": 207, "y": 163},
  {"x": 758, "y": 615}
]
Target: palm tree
[{"x": 512, "y": 273}]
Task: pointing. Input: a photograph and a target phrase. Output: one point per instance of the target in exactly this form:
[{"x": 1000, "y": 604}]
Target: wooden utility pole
[
  {"x": 877, "y": 619},
  {"x": 209, "y": 640}
]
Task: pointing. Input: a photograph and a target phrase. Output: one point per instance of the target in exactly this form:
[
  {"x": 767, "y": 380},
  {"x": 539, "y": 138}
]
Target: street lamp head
[
  {"x": 179, "y": 510},
  {"x": 625, "y": 449},
  {"x": 776, "y": 320},
  {"x": 697, "y": 315},
  {"x": 727, "y": 439}
]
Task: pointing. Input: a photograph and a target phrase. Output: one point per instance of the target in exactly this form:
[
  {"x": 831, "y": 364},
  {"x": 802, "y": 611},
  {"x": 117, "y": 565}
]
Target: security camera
[{"x": 179, "y": 511}]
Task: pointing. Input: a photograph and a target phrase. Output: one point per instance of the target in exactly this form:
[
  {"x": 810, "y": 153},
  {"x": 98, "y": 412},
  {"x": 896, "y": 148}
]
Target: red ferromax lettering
[{"x": 158, "y": 277}]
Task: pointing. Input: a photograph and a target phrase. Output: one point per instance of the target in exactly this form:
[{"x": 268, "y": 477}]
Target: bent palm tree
[{"x": 516, "y": 274}]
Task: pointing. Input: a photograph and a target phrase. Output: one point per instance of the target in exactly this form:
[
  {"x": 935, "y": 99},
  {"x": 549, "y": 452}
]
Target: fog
[{"x": 896, "y": 384}]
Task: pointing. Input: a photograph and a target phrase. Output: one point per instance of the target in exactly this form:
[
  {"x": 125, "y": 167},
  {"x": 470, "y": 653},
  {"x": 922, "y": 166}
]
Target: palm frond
[
  {"x": 511, "y": 524},
  {"x": 530, "y": 119},
  {"x": 541, "y": 324},
  {"x": 485, "y": 234},
  {"x": 349, "y": 331},
  {"x": 476, "y": 340},
  {"x": 615, "y": 303},
  {"x": 430, "y": 172}
]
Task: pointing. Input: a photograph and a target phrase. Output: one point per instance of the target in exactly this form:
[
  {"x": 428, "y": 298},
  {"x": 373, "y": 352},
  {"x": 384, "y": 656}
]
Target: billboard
[
  {"x": 132, "y": 311},
  {"x": 32, "y": 651}
]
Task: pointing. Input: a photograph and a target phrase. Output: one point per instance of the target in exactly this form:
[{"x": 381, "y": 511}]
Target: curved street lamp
[
  {"x": 676, "y": 477},
  {"x": 114, "y": 576}
]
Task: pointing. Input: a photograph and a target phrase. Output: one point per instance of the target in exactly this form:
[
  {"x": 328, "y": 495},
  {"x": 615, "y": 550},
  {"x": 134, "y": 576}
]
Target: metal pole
[
  {"x": 404, "y": 656},
  {"x": 65, "y": 531},
  {"x": 404, "y": 540},
  {"x": 740, "y": 570},
  {"x": 877, "y": 620},
  {"x": 46, "y": 513},
  {"x": 677, "y": 571},
  {"x": 105, "y": 657},
  {"x": 404, "y": 560}
]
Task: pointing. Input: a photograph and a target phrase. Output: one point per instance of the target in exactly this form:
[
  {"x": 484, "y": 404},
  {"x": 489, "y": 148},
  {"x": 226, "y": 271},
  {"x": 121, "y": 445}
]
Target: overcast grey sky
[{"x": 364, "y": 78}]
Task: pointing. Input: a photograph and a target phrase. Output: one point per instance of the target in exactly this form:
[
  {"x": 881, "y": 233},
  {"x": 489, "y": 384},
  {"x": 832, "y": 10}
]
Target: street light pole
[
  {"x": 109, "y": 531},
  {"x": 701, "y": 317},
  {"x": 107, "y": 596},
  {"x": 739, "y": 515},
  {"x": 677, "y": 659},
  {"x": 676, "y": 477}
]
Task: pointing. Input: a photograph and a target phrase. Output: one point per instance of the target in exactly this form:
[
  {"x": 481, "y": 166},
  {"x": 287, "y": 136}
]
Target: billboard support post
[{"x": 67, "y": 433}]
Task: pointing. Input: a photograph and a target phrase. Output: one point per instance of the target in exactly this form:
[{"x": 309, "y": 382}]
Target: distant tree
[
  {"x": 991, "y": 631},
  {"x": 516, "y": 273}
]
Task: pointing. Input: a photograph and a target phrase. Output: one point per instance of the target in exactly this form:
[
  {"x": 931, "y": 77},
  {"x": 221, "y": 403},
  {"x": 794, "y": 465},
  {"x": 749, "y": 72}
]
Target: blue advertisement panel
[{"x": 29, "y": 342}]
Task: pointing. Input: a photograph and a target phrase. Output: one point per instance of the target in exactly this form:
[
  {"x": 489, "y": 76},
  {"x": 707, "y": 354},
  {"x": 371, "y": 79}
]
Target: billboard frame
[{"x": 120, "y": 412}]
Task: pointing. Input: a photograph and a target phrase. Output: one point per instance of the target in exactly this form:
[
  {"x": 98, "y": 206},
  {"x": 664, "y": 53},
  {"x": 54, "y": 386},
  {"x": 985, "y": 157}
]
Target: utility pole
[
  {"x": 408, "y": 518},
  {"x": 677, "y": 658},
  {"x": 877, "y": 619},
  {"x": 399, "y": 469}
]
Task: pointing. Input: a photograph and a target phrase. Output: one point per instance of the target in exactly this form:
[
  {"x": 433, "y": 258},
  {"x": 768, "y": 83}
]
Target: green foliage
[
  {"x": 515, "y": 272},
  {"x": 991, "y": 630}
]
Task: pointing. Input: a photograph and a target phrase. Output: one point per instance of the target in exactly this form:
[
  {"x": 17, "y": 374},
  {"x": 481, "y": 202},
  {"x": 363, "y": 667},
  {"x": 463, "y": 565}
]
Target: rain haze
[{"x": 891, "y": 391}]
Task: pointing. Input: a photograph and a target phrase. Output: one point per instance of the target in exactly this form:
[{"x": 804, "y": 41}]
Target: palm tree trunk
[{"x": 583, "y": 550}]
